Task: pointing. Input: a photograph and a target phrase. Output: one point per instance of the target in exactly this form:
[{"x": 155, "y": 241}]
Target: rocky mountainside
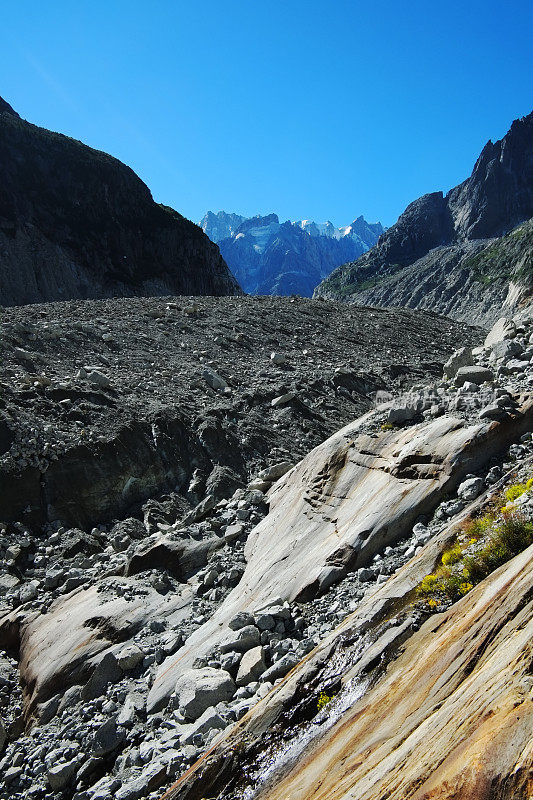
[
  {"x": 138, "y": 439},
  {"x": 220, "y": 226},
  {"x": 192, "y": 590},
  {"x": 467, "y": 254},
  {"x": 77, "y": 223},
  {"x": 269, "y": 257}
]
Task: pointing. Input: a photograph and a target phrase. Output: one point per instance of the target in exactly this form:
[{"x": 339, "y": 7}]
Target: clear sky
[{"x": 318, "y": 110}]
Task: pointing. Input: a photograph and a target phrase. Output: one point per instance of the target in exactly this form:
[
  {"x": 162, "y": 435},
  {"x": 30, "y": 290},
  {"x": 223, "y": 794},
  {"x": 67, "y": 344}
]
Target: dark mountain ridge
[
  {"x": 435, "y": 248},
  {"x": 77, "y": 223}
]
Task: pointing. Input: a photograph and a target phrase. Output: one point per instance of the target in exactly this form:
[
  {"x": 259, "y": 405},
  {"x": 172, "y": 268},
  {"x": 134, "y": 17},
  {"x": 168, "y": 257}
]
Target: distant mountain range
[
  {"x": 468, "y": 254},
  {"x": 271, "y": 257}
]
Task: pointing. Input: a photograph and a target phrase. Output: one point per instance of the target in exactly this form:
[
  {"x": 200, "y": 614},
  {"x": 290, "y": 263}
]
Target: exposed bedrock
[
  {"x": 450, "y": 717},
  {"x": 106, "y": 404},
  {"x": 346, "y": 500}
]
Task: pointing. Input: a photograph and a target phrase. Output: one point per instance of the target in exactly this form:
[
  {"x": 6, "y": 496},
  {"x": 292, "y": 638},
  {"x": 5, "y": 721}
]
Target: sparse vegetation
[
  {"x": 512, "y": 535},
  {"x": 323, "y": 700},
  {"x": 452, "y": 556},
  {"x": 483, "y": 545},
  {"x": 515, "y": 491},
  {"x": 509, "y": 258}
]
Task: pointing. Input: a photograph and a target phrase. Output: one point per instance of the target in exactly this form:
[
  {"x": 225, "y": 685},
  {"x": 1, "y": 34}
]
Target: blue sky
[{"x": 310, "y": 109}]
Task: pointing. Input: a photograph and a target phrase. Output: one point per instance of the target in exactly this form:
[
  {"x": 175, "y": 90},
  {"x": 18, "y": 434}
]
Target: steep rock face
[
  {"x": 429, "y": 258},
  {"x": 269, "y": 257},
  {"x": 499, "y": 193},
  {"x": 77, "y": 223}
]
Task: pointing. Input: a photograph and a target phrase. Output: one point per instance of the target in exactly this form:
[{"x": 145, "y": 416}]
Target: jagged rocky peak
[
  {"x": 425, "y": 223},
  {"x": 366, "y": 230},
  {"x": 78, "y": 223},
  {"x": 440, "y": 253},
  {"x": 269, "y": 257},
  {"x": 258, "y": 222},
  {"x": 221, "y": 225},
  {"x": 499, "y": 193}
]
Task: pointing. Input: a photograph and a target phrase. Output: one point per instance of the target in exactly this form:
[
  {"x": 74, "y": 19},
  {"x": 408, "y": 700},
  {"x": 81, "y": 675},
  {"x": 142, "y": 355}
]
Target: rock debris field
[
  {"x": 105, "y": 404},
  {"x": 139, "y": 440}
]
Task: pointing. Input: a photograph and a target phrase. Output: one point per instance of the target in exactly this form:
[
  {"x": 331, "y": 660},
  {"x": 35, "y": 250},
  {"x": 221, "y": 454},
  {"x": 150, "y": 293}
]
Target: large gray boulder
[
  {"x": 242, "y": 640},
  {"x": 477, "y": 375},
  {"x": 251, "y": 667},
  {"x": 198, "y": 689},
  {"x": 461, "y": 358},
  {"x": 504, "y": 328},
  {"x": 506, "y": 349}
]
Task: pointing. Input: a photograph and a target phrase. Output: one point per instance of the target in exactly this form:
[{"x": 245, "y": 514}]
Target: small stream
[{"x": 284, "y": 755}]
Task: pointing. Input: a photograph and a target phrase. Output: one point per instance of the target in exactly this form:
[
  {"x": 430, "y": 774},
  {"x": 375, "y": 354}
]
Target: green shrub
[
  {"x": 428, "y": 585},
  {"x": 512, "y": 535}
]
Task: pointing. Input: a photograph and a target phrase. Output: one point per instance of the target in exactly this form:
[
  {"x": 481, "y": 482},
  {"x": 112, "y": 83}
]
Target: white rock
[
  {"x": 504, "y": 328},
  {"x": 129, "y": 657},
  {"x": 198, "y": 689},
  {"x": 470, "y": 489},
  {"x": 282, "y": 400},
  {"x": 251, "y": 667},
  {"x": 275, "y": 472},
  {"x": 461, "y": 358}
]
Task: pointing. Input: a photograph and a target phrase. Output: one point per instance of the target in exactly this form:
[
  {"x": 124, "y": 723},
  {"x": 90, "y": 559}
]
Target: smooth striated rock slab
[
  {"x": 348, "y": 499},
  {"x": 82, "y": 631},
  {"x": 452, "y": 716}
]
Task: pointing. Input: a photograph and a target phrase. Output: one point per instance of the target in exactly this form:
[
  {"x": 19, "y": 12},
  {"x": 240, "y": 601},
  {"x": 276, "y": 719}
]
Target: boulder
[
  {"x": 494, "y": 412},
  {"x": 276, "y": 471},
  {"x": 151, "y": 778},
  {"x": 251, "y": 667},
  {"x": 208, "y": 721},
  {"x": 99, "y": 379},
  {"x": 282, "y": 399},
  {"x": 504, "y": 328},
  {"x": 60, "y": 775},
  {"x": 242, "y": 619},
  {"x": 198, "y": 689},
  {"x": 401, "y": 413},
  {"x": 214, "y": 380},
  {"x": 477, "y": 375},
  {"x": 106, "y": 738},
  {"x": 129, "y": 657},
  {"x": 107, "y": 671},
  {"x": 244, "y": 639},
  {"x": 506, "y": 349},
  {"x": 461, "y": 358},
  {"x": 280, "y": 668},
  {"x": 470, "y": 489}
]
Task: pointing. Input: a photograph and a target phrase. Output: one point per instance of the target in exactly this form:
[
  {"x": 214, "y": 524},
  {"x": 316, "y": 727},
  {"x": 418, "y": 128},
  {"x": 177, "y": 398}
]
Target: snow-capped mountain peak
[{"x": 269, "y": 257}]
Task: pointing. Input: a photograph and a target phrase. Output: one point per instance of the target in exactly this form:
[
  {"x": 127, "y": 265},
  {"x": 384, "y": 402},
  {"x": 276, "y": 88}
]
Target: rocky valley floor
[{"x": 178, "y": 534}]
